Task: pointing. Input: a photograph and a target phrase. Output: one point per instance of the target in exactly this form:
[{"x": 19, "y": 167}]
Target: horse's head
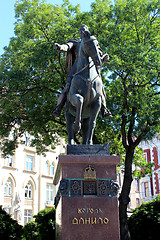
[{"x": 92, "y": 49}]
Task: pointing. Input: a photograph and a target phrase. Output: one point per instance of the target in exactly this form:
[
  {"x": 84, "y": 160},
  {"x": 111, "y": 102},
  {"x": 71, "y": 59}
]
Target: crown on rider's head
[{"x": 83, "y": 26}]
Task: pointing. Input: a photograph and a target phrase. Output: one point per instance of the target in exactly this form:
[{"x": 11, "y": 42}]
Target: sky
[{"x": 7, "y": 17}]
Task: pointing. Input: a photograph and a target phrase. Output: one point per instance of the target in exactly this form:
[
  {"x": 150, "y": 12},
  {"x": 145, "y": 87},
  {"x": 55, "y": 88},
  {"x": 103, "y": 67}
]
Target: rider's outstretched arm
[{"x": 63, "y": 47}]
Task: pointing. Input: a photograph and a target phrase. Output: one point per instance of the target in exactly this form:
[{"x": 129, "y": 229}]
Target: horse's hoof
[{"x": 70, "y": 141}]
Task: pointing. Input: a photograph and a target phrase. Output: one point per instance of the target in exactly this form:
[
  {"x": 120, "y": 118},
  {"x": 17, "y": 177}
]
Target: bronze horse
[{"x": 84, "y": 97}]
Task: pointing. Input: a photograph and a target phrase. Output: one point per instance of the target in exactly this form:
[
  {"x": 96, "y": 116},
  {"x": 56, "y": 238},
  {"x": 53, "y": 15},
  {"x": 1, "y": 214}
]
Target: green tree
[
  {"x": 9, "y": 228},
  {"x": 30, "y": 231},
  {"x": 129, "y": 31},
  {"x": 45, "y": 221},
  {"x": 43, "y": 228}
]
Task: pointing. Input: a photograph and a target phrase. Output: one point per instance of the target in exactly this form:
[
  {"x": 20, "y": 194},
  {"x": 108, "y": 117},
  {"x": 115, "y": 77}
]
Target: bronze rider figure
[{"x": 72, "y": 49}]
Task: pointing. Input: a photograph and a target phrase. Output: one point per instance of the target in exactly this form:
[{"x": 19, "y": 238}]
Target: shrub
[
  {"x": 9, "y": 228},
  {"x": 30, "y": 231},
  {"x": 45, "y": 220},
  {"x": 144, "y": 223}
]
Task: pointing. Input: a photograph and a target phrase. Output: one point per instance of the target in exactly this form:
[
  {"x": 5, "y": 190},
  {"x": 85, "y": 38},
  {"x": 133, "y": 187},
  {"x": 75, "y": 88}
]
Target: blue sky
[{"x": 7, "y": 18}]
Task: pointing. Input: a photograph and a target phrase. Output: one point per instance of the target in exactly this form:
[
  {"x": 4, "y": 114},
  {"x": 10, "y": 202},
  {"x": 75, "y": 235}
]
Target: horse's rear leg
[
  {"x": 69, "y": 126},
  {"x": 85, "y": 130},
  {"x": 92, "y": 123},
  {"x": 77, "y": 101}
]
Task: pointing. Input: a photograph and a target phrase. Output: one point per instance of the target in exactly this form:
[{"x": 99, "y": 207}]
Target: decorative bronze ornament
[{"x": 87, "y": 186}]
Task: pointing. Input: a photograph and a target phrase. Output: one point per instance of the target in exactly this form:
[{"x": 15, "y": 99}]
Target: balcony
[{"x": 49, "y": 203}]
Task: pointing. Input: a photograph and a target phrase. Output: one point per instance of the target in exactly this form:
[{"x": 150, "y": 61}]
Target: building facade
[
  {"x": 148, "y": 187},
  {"x": 26, "y": 181}
]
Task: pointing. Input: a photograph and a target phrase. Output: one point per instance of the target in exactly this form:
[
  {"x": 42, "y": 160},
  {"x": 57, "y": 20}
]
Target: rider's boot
[
  {"x": 57, "y": 111},
  {"x": 62, "y": 99},
  {"x": 105, "y": 112}
]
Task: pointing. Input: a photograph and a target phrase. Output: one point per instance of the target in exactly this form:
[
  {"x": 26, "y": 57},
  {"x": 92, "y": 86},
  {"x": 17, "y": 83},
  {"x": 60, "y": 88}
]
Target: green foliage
[
  {"x": 30, "y": 231},
  {"x": 144, "y": 223},
  {"x": 43, "y": 228},
  {"x": 45, "y": 221},
  {"x": 129, "y": 35},
  {"x": 33, "y": 74},
  {"x": 9, "y": 228}
]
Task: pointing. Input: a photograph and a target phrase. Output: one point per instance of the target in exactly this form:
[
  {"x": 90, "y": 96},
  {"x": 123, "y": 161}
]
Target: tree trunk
[{"x": 124, "y": 196}]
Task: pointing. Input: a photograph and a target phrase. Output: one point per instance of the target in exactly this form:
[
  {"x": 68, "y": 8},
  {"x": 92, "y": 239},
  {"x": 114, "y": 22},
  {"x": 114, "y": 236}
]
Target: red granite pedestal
[{"x": 86, "y": 202}]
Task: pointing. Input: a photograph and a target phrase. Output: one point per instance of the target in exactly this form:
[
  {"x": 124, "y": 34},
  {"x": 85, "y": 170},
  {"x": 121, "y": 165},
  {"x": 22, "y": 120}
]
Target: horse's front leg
[
  {"x": 77, "y": 101},
  {"x": 85, "y": 130},
  {"x": 92, "y": 123},
  {"x": 69, "y": 124}
]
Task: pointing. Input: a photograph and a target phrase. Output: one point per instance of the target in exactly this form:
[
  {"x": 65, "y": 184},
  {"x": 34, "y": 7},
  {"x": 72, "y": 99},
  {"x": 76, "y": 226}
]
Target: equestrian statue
[{"x": 84, "y": 93}]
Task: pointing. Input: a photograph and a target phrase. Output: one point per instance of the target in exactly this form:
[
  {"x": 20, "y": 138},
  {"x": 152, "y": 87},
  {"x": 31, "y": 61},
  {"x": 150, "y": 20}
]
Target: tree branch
[
  {"x": 59, "y": 59},
  {"x": 137, "y": 30},
  {"x": 43, "y": 31},
  {"x": 26, "y": 91}
]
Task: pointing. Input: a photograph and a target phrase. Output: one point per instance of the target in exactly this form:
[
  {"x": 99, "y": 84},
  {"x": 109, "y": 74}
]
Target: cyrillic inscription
[
  {"x": 89, "y": 210},
  {"x": 90, "y": 220}
]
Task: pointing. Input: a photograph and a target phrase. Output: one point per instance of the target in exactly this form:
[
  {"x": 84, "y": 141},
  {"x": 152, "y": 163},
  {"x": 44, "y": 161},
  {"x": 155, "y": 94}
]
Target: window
[
  {"x": 119, "y": 179},
  {"x": 28, "y": 191},
  {"x": 8, "y": 188},
  {"x": 49, "y": 192},
  {"x": 27, "y": 216},
  {"x": 27, "y": 138},
  {"x": 47, "y": 168},
  {"x": 145, "y": 156},
  {"x": 146, "y": 189},
  {"x": 29, "y": 163},
  {"x": 52, "y": 169},
  {"x": 9, "y": 161}
]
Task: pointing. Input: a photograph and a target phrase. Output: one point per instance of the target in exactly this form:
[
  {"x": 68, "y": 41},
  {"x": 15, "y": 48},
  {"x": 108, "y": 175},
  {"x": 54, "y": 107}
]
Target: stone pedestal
[{"x": 86, "y": 201}]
